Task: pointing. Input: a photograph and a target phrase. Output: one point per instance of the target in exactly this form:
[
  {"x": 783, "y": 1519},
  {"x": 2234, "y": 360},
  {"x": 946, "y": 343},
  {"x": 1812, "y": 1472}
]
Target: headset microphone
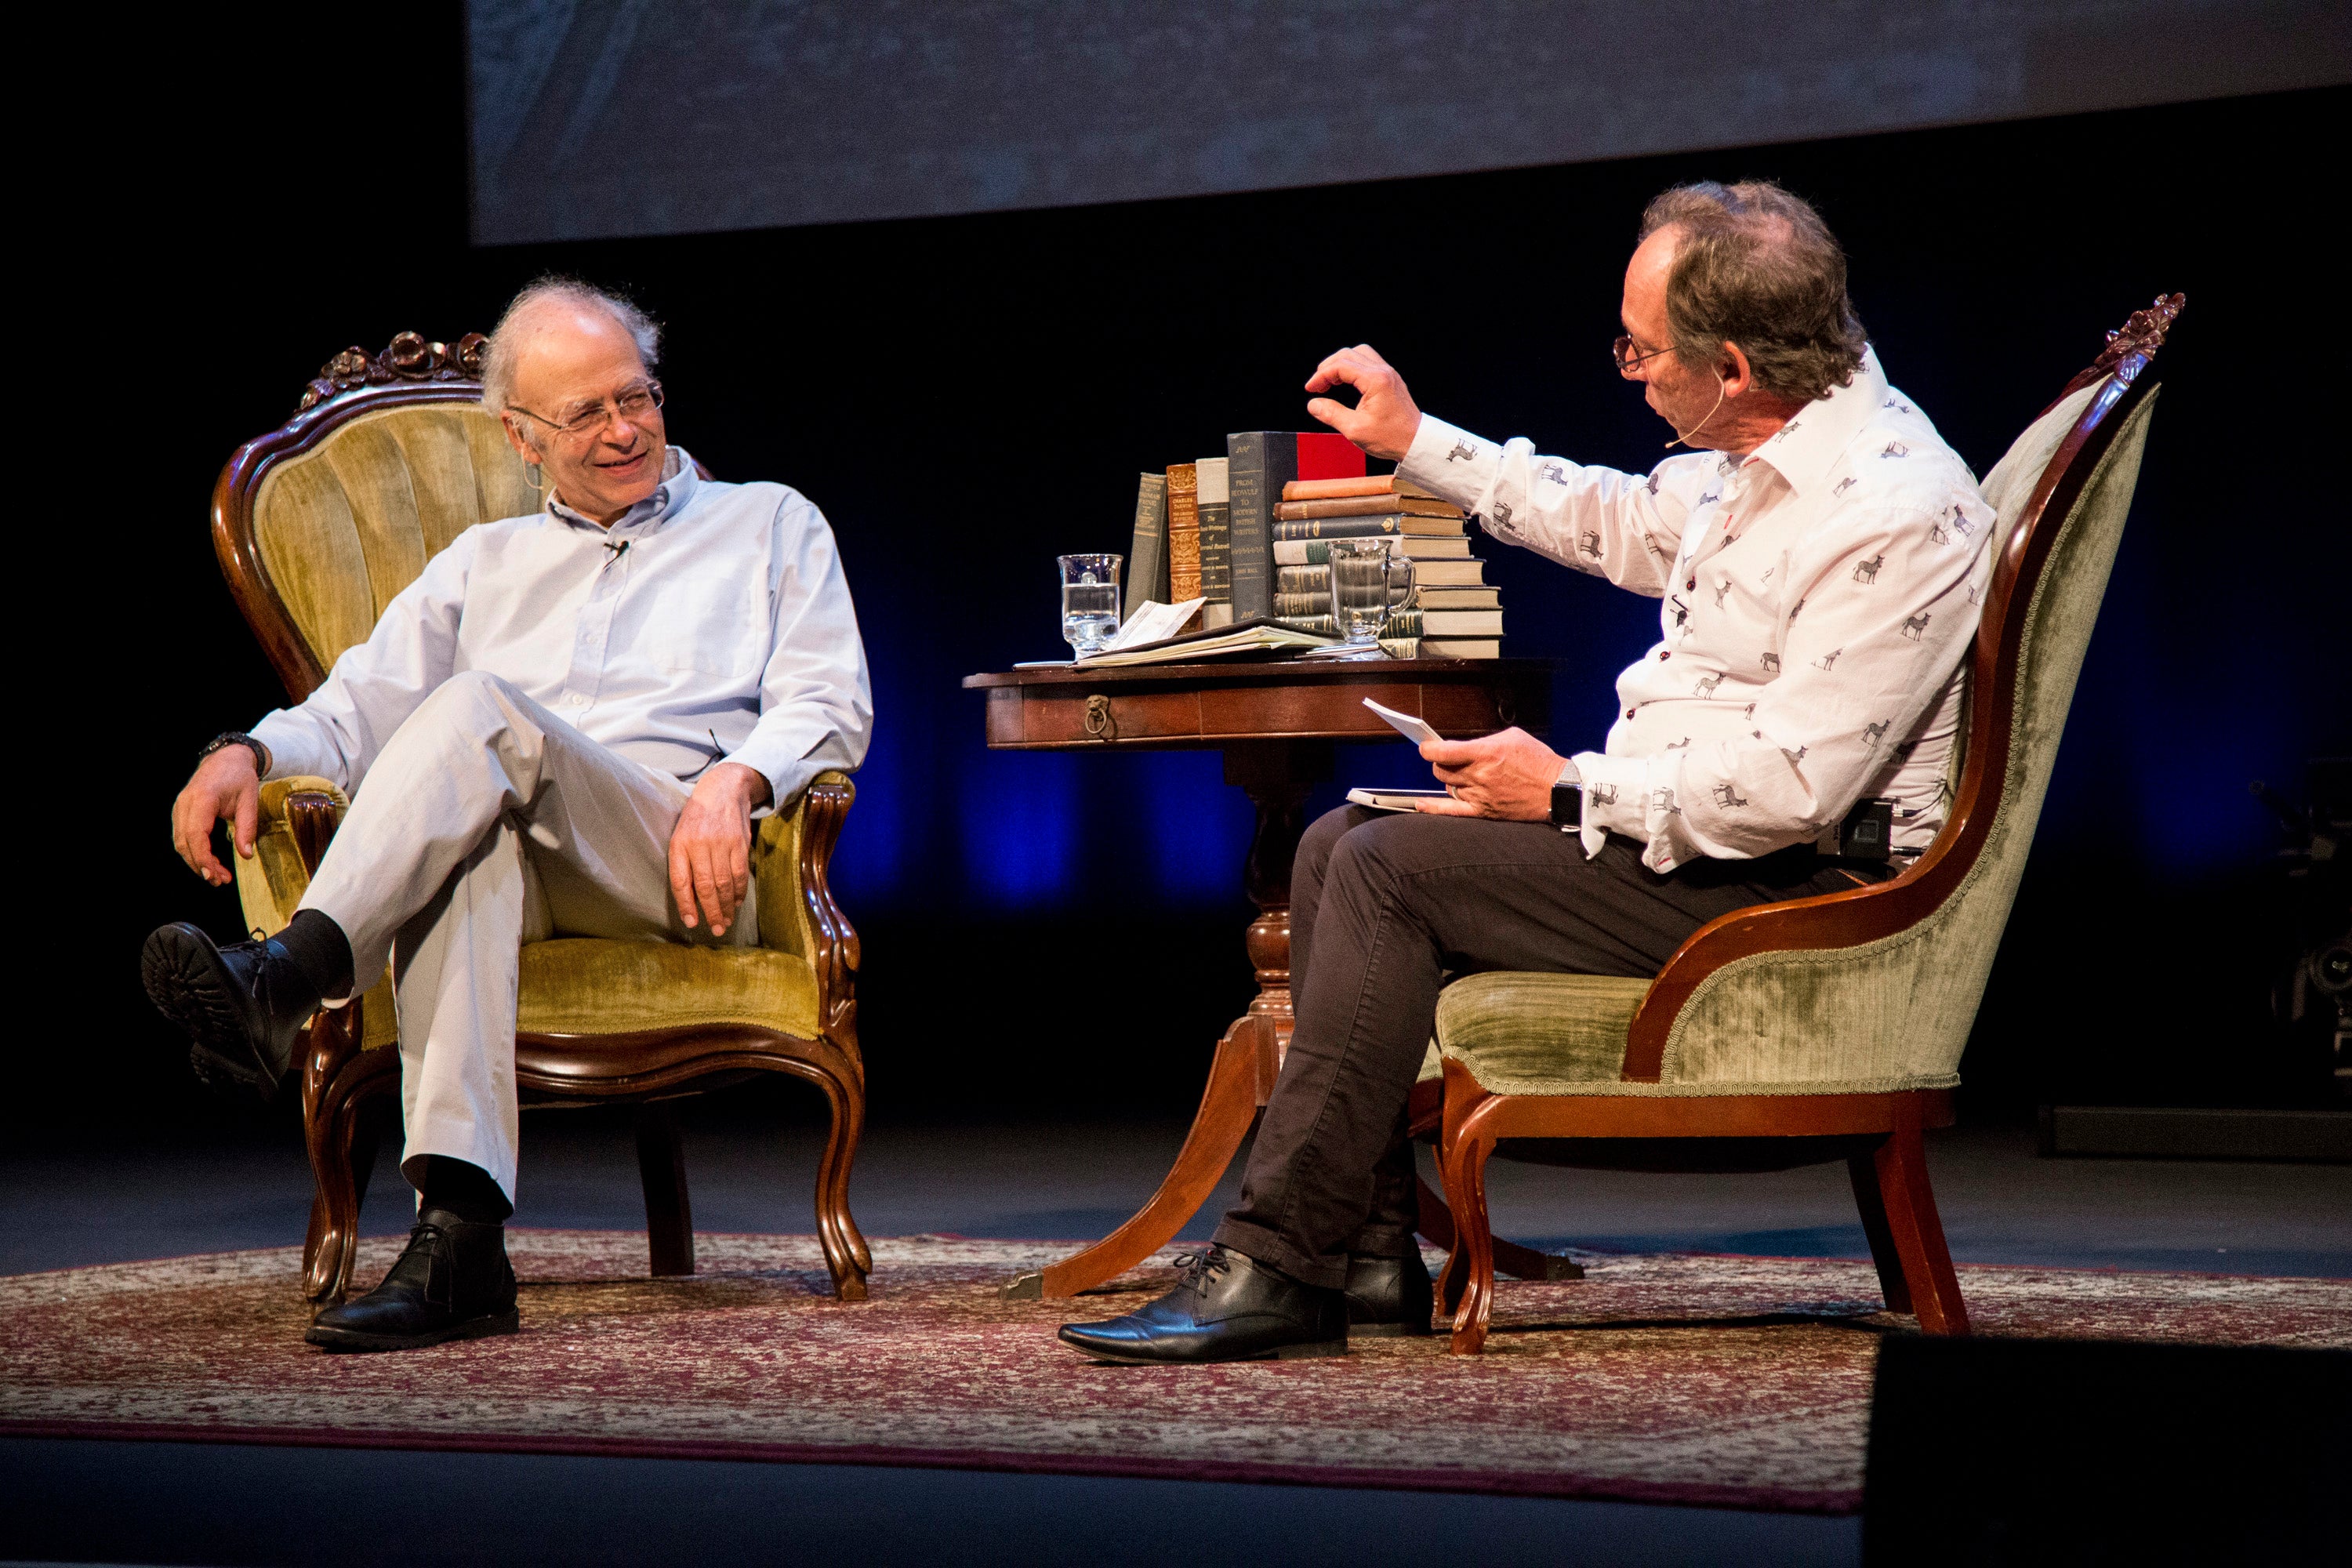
[{"x": 1681, "y": 436}]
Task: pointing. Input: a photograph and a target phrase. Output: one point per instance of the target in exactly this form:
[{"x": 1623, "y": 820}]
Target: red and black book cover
[{"x": 1260, "y": 463}]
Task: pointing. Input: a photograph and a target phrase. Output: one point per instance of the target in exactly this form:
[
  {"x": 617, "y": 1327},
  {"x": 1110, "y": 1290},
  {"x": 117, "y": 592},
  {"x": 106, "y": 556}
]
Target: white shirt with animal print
[{"x": 1820, "y": 599}]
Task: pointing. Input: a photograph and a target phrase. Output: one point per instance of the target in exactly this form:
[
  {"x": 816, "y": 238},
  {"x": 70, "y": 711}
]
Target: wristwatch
[
  {"x": 1567, "y": 800},
  {"x": 238, "y": 738}
]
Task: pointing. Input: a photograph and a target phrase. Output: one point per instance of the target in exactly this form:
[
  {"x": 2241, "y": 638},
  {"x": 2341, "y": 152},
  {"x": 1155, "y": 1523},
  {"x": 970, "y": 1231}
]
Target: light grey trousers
[{"x": 486, "y": 823}]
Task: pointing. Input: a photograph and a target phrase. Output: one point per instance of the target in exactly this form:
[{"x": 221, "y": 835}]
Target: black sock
[
  {"x": 464, "y": 1190},
  {"x": 321, "y": 950}
]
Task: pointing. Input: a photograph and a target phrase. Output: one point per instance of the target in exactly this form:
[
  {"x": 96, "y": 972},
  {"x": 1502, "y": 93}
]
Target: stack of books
[
  {"x": 1203, "y": 530},
  {"x": 1456, "y": 615}
]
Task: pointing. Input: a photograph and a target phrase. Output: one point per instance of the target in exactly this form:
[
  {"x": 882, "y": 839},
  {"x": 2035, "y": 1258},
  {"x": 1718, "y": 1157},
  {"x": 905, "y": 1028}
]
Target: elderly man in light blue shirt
[{"x": 564, "y": 725}]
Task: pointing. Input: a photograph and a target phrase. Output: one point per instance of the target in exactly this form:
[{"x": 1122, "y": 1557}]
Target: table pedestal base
[{"x": 1277, "y": 776}]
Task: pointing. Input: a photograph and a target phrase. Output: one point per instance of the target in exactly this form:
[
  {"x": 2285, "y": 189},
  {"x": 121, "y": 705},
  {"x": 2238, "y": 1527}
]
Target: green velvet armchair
[
  {"x": 317, "y": 524},
  {"x": 1824, "y": 1028}
]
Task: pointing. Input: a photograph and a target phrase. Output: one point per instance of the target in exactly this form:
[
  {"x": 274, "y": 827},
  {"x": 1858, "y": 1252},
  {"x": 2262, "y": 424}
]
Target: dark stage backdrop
[{"x": 965, "y": 396}]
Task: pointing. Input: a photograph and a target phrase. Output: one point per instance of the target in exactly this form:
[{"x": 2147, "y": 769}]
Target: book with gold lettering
[
  {"x": 1183, "y": 533},
  {"x": 1366, "y": 527},
  {"x": 1214, "y": 505},
  {"x": 1262, "y": 465}
]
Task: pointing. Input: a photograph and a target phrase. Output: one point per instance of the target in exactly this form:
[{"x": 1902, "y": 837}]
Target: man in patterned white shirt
[
  {"x": 564, "y": 725},
  {"x": 1819, "y": 555}
]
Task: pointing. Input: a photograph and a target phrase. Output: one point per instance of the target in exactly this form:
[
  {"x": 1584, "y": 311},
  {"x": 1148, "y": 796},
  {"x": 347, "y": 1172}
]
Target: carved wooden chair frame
[
  {"x": 341, "y": 1080},
  {"x": 1879, "y": 1135}
]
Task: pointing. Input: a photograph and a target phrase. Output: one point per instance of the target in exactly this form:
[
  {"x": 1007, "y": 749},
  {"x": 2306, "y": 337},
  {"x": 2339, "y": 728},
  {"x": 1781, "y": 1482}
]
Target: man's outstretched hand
[
  {"x": 711, "y": 848},
  {"x": 1385, "y": 418},
  {"x": 226, "y": 787},
  {"x": 1507, "y": 775}
]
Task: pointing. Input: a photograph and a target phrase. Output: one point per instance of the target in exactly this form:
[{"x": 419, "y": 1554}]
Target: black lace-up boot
[
  {"x": 243, "y": 1005},
  {"x": 1389, "y": 1296},
  {"x": 453, "y": 1283},
  {"x": 1225, "y": 1307}
]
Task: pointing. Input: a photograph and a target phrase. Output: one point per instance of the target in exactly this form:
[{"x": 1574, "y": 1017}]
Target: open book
[{"x": 1261, "y": 637}]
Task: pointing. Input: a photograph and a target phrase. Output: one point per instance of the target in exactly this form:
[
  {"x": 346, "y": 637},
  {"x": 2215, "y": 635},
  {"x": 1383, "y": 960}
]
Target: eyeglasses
[
  {"x": 1629, "y": 360},
  {"x": 634, "y": 404}
]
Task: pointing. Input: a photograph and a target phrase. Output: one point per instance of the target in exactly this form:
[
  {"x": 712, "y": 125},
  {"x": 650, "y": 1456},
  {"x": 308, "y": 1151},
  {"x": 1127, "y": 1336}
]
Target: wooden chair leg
[
  {"x": 1467, "y": 1286},
  {"x": 1917, "y": 1233},
  {"x": 339, "y": 1081},
  {"x": 1862, "y": 1171},
  {"x": 846, "y": 1252},
  {"x": 669, "y": 1208}
]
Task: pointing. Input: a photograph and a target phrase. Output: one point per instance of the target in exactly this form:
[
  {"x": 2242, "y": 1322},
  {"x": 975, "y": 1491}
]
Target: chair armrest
[
  {"x": 792, "y": 856},
  {"x": 298, "y": 818},
  {"x": 1828, "y": 921}
]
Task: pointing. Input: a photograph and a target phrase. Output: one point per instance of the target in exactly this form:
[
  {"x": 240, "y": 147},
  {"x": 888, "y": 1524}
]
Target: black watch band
[
  {"x": 1567, "y": 805},
  {"x": 238, "y": 738}
]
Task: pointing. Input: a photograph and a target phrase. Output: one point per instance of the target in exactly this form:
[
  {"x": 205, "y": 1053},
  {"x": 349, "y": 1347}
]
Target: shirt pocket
[{"x": 708, "y": 625}]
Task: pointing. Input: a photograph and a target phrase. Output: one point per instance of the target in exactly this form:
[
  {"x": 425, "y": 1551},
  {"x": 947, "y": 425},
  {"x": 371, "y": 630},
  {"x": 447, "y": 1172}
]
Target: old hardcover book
[
  {"x": 1183, "y": 533},
  {"x": 1387, "y": 523},
  {"x": 1315, "y": 579},
  {"x": 1147, "y": 551},
  {"x": 1419, "y": 546},
  {"x": 1260, "y": 464},
  {"x": 1366, "y": 506},
  {"x": 1370, "y": 485},
  {"x": 1293, "y": 607},
  {"x": 1211, "y": 501},
  {"x": 1461, "y": 647},
  {"x": 1445, "y": 597},
  {"x": 1439, "y": 623}
]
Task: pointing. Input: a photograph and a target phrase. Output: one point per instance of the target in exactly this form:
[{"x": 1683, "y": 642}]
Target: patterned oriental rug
[{"x": 1733, "y": 1382}]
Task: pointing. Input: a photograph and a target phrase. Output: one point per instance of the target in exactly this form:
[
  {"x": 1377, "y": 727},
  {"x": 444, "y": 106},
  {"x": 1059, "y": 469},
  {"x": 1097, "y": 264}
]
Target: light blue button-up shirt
[{"x": 710, "y": 621}]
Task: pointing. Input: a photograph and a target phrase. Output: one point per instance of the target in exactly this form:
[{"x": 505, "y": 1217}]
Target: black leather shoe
[
  {"x": 1225, "y": 1307},
  {"x": 453, "y": 1283},
  {"x": 243, "y": 1005},
  {"x": 1389, "y": 1296}
]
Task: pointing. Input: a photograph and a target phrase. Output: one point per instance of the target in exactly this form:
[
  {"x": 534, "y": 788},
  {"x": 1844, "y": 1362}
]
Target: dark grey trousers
[{"x": 1385, "y": 909}]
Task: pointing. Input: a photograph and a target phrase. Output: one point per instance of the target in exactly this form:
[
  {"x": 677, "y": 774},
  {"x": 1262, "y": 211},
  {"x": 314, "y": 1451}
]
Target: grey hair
[
  {"x": 506, "y": 339},
  {"x": 1754, "y": 264}
]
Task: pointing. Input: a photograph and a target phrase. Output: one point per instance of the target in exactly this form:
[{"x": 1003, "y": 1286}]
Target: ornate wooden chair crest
[
  {"x": 1831, "y": 1028},
  {"x": 317, "y": 526}
]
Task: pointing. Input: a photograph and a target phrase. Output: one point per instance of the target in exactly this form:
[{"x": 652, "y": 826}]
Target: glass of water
[
  {"x": 1369, "y": 580},
  {"x": 1089, "y": 601}
]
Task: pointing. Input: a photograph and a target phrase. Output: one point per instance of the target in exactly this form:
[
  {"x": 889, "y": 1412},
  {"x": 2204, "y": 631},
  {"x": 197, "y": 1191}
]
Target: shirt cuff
[
  {"x": 1451, "y": 463},
  {"x": 1616, "y": 798},
  {"x": 295, "y": 750}
]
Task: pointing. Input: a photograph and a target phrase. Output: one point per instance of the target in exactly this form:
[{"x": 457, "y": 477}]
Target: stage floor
[
  {"x": 120, "y": 1200},
  {"x": 161, "y": 1502}
]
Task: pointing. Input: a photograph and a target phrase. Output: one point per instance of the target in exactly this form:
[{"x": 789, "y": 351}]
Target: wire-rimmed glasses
[
  {"x": 1632, "y": 356},
  {"x": 634, "y": 403}
]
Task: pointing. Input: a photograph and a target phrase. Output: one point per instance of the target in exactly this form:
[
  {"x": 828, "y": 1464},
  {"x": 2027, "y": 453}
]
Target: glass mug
[
  {"x": 1089, "y": 601},
  {"x": 1370, "y": 580}
]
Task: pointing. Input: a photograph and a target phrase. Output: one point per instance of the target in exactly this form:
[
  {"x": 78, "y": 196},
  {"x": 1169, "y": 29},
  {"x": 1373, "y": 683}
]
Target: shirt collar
[
  {"x": 669, "y": 497},
  {"x": 1804, "y": 450}
]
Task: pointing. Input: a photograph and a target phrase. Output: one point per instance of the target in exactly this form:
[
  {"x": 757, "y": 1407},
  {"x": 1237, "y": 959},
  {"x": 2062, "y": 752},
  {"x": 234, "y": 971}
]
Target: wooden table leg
[{"x": 1277, "y": 776}]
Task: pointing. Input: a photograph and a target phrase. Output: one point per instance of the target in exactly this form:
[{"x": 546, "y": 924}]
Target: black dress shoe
[
  {"x": 453, "y": 1283},
  {"x": 243, "y": 1005},
  {"x": 1225, "y": 1307},
  {"x": 1389, "y": 1296}
]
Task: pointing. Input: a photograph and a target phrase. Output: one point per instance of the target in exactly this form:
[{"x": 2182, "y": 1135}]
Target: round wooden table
[{"x": 1275, "y": 722}]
